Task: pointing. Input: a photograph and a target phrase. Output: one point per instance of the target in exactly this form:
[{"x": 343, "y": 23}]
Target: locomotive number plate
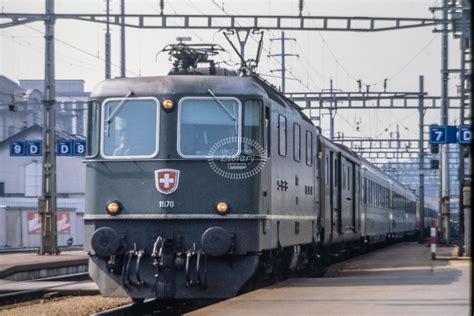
[{"x": 166, "y": 204}]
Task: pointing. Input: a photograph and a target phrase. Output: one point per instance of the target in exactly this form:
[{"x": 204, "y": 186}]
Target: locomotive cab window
[
  {"x": 209, "y": 127},
  {"x": 130, "y": 128},
  {"x": 253, "y": 131},
  {"x": 93, "y": 129}
]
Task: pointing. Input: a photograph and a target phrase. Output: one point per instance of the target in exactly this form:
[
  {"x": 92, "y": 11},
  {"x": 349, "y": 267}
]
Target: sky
[{"x": 401, "y": 56}]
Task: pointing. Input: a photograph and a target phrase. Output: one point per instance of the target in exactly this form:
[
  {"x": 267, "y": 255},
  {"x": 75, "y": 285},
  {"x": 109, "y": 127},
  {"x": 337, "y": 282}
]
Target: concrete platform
[
  {"x": 29, "y": 266},
  {"x": 397, "y": 280},
  {"x": 64, "y": 287}
]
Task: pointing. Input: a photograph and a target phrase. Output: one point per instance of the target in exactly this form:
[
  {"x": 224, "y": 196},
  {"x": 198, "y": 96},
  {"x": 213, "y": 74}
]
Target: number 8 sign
[{"x": 79, "y": 147}]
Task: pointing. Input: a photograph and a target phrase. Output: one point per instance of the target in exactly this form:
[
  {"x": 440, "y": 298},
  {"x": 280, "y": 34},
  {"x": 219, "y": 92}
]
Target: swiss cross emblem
[{"x": 166, "y": 180}]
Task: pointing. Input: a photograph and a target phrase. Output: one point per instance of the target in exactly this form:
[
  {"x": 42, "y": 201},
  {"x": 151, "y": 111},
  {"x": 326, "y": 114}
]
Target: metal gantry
[
  {"x": 360, "y": 100},
  {"x": 220, "y": 21}
]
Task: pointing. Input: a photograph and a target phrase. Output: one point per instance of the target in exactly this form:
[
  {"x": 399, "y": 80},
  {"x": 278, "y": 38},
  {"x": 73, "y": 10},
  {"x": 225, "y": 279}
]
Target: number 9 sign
[{"x": 17, "y": 149}]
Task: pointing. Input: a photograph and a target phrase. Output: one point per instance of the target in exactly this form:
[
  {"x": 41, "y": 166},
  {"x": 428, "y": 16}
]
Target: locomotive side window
[
  {"x": 343, "y": 175},
  {"x": 207, "y": 127},
  {"x": 267, "y": 131},
  {"x": 252, "y": 127},
  {"x": 93, "y": 129},
  {"x": 296, "y": 142},
  {"x": 281, "y": 135},
  {"x": 130, "y": 128},
  {"x": 309, "y": 148}
]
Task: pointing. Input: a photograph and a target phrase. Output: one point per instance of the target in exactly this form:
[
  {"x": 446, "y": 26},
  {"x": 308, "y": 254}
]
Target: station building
[{"x": 21, "y": 119}]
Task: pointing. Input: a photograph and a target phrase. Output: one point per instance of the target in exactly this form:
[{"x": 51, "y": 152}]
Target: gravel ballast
[{"x": 75, "y": 305}]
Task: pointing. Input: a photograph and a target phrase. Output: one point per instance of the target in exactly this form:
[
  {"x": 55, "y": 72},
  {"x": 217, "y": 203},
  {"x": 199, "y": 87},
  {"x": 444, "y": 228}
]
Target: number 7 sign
[{"x": 438, "y": 134}]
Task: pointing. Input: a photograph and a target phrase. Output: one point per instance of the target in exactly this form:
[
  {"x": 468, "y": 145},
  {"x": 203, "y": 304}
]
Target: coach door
[
  {"x": 347, "y": 196},
  {"x": 318, "y": 198},
  {"x": 351, "y": 195},
  {"x": 337, "y": 192},
  {"x": 330, "y": 192},
  {"x": 356, "y": 197}
]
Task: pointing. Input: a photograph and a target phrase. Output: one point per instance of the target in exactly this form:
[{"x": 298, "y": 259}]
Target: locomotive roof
[{"x": 178, "y": 84}]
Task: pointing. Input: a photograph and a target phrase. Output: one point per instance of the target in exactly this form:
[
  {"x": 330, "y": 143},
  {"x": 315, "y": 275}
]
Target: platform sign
[
  {"x": 17, "y": 148},
  {"x": 465, "y": 134},
  {"x": 79, "y": 148},
  {"x": 438, "y": 134},
  {"x": 33, "y": 147},
  {"x": 64, "y": 148},
  {"x": 452, "y": 134},
  {"x": 443, "y": 134}
]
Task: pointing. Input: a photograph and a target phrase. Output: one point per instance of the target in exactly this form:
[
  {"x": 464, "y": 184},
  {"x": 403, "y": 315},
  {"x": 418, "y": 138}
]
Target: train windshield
[
  {"x": 209, "y": 127},
  {"x": 130, "y": 128}
]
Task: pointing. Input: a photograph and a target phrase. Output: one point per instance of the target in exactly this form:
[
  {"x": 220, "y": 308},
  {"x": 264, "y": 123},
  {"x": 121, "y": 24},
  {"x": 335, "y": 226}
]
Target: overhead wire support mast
[
  {"x": 108, "y": 49},
  {"x": 269, "y": 22},
  {"x": 444, "y": 171},
  {"x": 283, "y": 56},
  {"x": 47, "y": 202}
]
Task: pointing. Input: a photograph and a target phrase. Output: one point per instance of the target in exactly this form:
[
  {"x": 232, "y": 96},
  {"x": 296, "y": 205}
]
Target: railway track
[{"x": 27, "y": 295}]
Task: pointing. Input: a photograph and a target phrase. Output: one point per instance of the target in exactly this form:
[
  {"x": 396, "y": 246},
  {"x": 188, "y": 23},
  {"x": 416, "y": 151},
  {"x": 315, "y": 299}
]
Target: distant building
[
  {"x": 71, "y": 103},
  {"x": 21, "y": 106}
]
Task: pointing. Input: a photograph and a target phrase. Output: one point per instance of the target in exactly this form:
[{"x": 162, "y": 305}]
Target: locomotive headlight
[
  {"x": 222, "y": 208},
  {"x": 113, "y": 207},
  {"x": 167, "y": 104}
]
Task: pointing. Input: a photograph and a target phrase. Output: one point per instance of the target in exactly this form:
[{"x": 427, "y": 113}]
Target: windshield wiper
[
  {"x": 222, "y": 105},
  {"x": 119, "y": 106}
]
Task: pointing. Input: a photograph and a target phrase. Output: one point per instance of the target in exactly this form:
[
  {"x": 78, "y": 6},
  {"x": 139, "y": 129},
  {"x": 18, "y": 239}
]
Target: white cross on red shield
[{"x": 166, "y": 180}]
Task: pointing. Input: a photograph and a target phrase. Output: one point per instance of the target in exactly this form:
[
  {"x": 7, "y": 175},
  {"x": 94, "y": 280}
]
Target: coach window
[
  {"x": 348, "y": 177},
  {"x": 327, "y": 169},
  {"x": 309, "y": 148},
  {"x": 93, "y": 126},
  {"x": 130, "y": 128},
  {"x": 253, "y": 137},
  {"x": 371, "y": 186},
  {"x": 209, "y": 127},
  {"x": 282, "y": 135},
  {"x": 377, "y": 194},
  {"x": 296, "y": 142},
  {"x": 365, "y": 192}
]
